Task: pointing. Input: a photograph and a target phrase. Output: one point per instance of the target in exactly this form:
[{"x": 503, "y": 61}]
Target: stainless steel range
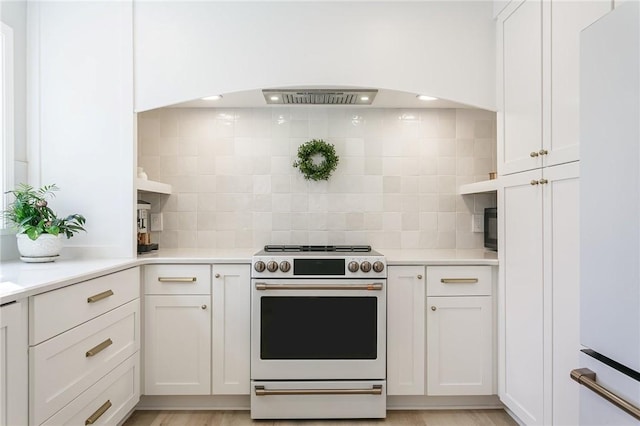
[{"x": 318, "y": 332}]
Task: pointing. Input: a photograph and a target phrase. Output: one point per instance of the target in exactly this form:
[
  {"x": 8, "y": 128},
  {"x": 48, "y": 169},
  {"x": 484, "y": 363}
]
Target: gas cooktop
[{"x": 301, "y": 248}]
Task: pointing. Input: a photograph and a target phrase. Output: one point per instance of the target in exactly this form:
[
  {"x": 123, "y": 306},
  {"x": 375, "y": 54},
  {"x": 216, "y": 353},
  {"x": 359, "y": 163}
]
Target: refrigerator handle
[{"x": 587, "y": 378}]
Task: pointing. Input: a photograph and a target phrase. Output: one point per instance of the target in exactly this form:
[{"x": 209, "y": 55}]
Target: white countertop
[{"x": 19, "y": 280}]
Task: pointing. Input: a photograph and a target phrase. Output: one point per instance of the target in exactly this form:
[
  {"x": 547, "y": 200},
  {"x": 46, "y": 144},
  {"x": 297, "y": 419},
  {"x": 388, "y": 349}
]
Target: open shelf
[
  {"x": 479, "y": 187},
  {"x": 153, "y": 186}
]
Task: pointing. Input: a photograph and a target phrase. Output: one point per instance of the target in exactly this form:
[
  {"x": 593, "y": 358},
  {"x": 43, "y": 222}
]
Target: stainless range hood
[{"x": 319, "y": 96}]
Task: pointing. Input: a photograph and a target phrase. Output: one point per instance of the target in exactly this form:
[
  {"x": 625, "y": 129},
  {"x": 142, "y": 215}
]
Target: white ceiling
[{"x": 384, "y": 99}]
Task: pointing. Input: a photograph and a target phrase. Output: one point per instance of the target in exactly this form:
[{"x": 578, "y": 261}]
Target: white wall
[
  {"x": 395, "y": 186},
  {"x": 81, "y": 118},
  {"x": 14, "y": 14},
  {"x": 186, "y": 50}
]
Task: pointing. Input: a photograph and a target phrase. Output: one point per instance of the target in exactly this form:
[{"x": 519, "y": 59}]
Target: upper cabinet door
[
  {"x": 568, "y": 18},
  {"x": 520, "y": 86}
]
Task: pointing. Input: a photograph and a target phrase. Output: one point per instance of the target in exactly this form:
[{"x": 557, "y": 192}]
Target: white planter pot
[{"x": 45, "y": 248}]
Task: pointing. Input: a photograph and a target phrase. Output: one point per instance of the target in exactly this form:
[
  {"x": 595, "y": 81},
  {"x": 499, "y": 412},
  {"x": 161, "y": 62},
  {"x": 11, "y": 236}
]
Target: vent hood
[{"x": 319, "y": 96}]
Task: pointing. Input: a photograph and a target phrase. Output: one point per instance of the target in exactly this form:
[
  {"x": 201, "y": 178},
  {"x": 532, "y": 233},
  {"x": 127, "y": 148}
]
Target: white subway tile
[
  {"x": 447, "y": 222},
  {"x": 187, "y": 221},
  {"x": 395, "y": 187}
]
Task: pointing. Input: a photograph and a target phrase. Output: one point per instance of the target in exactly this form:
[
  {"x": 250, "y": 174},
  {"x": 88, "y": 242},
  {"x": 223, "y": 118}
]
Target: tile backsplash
[{"x": 234, "y": 185}]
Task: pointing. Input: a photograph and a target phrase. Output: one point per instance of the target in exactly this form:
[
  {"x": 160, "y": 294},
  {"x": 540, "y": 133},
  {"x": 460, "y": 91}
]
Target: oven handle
[
  {"x": 375, "y": 390},
  {"x": 265, "y": 286}
]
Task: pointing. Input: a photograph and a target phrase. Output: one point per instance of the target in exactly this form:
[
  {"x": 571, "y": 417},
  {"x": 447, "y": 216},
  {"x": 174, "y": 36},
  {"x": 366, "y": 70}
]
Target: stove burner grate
[{"x": 301, "y": 248}]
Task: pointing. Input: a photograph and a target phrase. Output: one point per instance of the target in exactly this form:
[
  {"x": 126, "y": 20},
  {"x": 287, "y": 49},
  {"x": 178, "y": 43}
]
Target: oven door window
[{"x": 318, "y": 327}]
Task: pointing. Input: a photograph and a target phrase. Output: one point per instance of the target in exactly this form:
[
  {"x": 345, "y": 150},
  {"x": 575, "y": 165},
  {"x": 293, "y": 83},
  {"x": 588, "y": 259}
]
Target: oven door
[{"x": 318, "y": 329}]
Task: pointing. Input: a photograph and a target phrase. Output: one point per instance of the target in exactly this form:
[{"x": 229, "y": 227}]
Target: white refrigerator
[{"x": 610, "y": 219}]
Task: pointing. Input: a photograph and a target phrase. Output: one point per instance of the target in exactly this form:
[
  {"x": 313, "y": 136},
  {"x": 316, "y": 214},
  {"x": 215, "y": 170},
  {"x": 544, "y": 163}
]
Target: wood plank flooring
[{"x": 396, "y": 418}]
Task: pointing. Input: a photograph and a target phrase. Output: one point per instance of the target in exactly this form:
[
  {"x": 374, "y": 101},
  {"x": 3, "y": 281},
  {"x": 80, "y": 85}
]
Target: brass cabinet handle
[
  {"x": 177, "y": 279},
  {"x": 587, "y": 378},
  {"x": 543, "y": 152},
  {"x": 433, "y": 308},
  {"x": 265, "y": 286},
  {"x": 375, "y": 390},
  {"x": 533, "y": 154},
  {"x": 534, "y": 182},
  {"x": 203, "y": 307},
  {"x": 99, "y": 348},
  {"x": 543, "y": 181},
  {"x": 459, "y": 280},
  {"x": 99, "y": 412},
  {"x": 217, "y": 275},
  {"x": 99, "y": 296},
  {"x": 419, "y": 276}
]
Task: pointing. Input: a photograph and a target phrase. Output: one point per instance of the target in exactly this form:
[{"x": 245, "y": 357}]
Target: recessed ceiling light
[
  {"x": 212, "y": 98},
  {"x": 426, "y": 98},
  {"x": 364, "y": 98},
  {"x": 274, "y": 98}
]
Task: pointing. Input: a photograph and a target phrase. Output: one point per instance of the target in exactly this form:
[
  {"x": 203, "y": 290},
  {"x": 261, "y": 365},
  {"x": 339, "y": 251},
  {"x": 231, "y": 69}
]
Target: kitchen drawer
[
  {"x": 64, "y": 367},
  {"x": 59, "y": 310},
  {"x": 118, "y": 392},
  {"x": 177, "y": 279},
  {"x": 459, "y": 281}
]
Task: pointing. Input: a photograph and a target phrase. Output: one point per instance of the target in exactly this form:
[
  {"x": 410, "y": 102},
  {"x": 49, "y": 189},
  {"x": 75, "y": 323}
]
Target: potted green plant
[{"x": 39, "y": 229}]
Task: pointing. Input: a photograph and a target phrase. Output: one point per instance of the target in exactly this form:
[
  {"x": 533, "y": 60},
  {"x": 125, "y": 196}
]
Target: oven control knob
[
  {"x": 353, "y": 266},
  {"x": 259, "y": 266},
  {"x": 272, "y": 266},
  {"x": 365, "y": 266},
  {"x": 285, "y": 266},
  {"x": 378, "y": 266}
]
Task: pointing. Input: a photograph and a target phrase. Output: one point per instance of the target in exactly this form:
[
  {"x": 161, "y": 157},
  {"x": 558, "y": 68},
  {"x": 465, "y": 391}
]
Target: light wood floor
[{"x": 403, "y": 418}]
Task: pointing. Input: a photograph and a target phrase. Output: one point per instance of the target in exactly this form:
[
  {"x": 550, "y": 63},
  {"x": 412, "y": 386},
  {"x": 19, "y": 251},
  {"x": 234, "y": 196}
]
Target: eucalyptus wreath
[{"x": 305, "y": 162}]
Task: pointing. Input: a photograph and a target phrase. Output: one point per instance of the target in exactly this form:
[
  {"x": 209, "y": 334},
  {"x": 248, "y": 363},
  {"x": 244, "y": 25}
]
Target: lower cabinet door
[
  {"x": 405, "y": 330},
  {"x": 107, "y": 402},
  {"x": 177, "y": 345},
  {"x": 231, "y": 351},
  {"x": 14, "y": 373},
  {"x": 460, "y": 345}
]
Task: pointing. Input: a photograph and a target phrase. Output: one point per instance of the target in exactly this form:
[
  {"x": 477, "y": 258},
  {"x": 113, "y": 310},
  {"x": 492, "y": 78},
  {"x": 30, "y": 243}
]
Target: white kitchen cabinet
[
  {"x": 519, "y": 88},
  {"x": 405, "y": 330},
  {"x": 177, "y": 345},
  {"x": 539, "y": 81},
  {"x": 539, "y": 293},
  {"x": 460, "y": 345},
  {"x": 13, "y": 364},
  {"x": 460, "y": 331},
  {"x": 177, "y": 326},
  {"x": 231, "y": 319},
  {"x": 65, "y": 366},
  {"x": 107, "y": 402},
  {"x": 80, "y": 303},
  {"x": 70, "y": 354}
]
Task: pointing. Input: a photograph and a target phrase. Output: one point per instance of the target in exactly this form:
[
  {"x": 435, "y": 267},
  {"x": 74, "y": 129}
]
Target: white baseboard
[
  {"x": 419, "y": 402},
  {"x": 242, "y": 402},
  {"x": 194, "y": 402}
]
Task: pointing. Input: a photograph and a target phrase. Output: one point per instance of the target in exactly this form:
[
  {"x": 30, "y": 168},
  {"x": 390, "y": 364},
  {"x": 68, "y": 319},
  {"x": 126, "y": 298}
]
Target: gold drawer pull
[
  {"x": 99, "y": 296},
  {"x": 459, "y": 280},
  {"x": 99, "y": 412},
  {"x": 97, "y": 349},
  {"x": 177, "y": 279}
]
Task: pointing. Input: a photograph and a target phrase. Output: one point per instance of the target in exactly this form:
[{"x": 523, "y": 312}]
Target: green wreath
[{"x": 305, "y": 163}]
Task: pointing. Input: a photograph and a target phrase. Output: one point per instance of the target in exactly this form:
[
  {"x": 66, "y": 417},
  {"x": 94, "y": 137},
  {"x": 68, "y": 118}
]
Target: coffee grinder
[{"x": 144, "y": 235}]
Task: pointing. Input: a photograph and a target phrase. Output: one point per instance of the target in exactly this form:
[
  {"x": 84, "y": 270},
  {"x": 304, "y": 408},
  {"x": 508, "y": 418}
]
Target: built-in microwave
[{"x": 491, "y": 228}]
